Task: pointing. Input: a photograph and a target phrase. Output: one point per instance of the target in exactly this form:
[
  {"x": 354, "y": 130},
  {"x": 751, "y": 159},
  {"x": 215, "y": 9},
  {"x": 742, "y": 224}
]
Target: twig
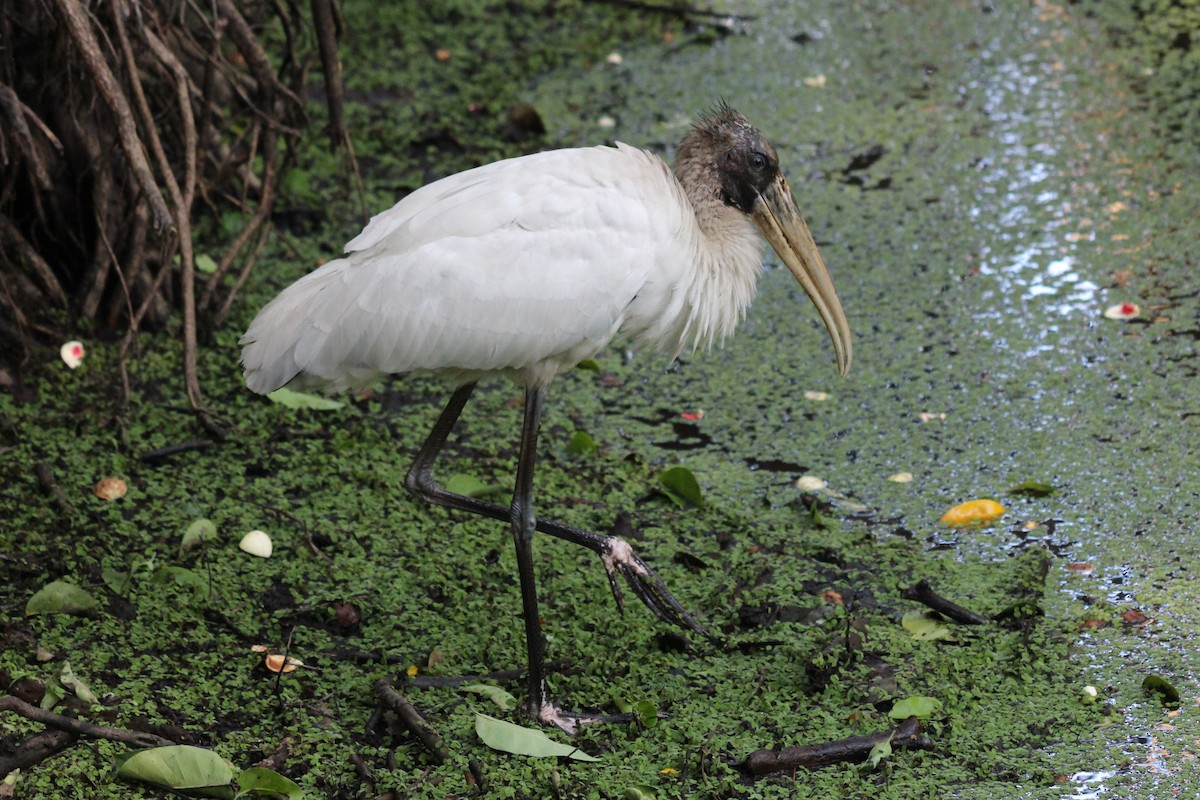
[
  {"x": 80, "y": 727},
  {"x": 412, "y": 720},
  {"x": 163, "y": 453},
  {"x": 853, "y": 748},
  {"x": 922, "y": 592}
]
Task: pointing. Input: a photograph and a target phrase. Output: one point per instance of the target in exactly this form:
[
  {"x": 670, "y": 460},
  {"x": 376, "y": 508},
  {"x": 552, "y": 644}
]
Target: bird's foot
[
  {"x": 620, "y": 559},
  {"x": 570, "y": 722}
]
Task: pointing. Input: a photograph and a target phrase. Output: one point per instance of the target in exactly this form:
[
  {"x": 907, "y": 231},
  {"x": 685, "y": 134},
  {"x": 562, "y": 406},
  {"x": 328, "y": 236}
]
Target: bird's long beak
[{"x": 776, "y": 215}]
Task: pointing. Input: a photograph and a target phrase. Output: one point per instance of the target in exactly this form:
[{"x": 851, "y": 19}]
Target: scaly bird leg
[{"x": 618, "y": 557}]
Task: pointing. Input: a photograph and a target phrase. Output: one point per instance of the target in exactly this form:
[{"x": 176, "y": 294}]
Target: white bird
[{"x": 525, "y": 267}]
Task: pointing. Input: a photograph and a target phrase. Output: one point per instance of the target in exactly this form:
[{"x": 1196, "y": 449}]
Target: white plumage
[{"x": 523, "y": 267}]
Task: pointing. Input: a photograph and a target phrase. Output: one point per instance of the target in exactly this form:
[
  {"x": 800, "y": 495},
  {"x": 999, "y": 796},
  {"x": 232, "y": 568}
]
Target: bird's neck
[{"x": 728, "y": 254}]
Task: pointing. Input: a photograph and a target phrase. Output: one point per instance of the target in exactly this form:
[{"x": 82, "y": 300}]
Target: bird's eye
[{"x": 758, "y": 161}]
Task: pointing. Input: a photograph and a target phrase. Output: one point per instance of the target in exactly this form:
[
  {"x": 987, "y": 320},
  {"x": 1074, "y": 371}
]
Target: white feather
[{"x": 522, "y": 268}]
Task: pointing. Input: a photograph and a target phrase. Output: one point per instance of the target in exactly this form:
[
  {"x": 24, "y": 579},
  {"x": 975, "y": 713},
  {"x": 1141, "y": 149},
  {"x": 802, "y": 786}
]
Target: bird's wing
[{"x": 522, "y": 267}]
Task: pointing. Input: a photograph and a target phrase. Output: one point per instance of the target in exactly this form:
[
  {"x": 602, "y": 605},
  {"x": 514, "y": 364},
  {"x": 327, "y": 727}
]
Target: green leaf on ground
[
  {"x": 180, "y": 766},
  {"x": 1163, "y": 688},
  {"x": 199, "y": 532},
  {"x": 68, "y": 679},
  {"x": 916, "y": 706},
  {"x": 509, "y": 738},
  {"x": 927, "y": 627},
  {"x": 60, "y": 597},
  {"x": 1032, "y": 489},
  {"x": 879, "y": 752},
  {"x": 183, "y": 578},
  {"x": 582, "y": 445},
  {"x": 500, "y": 697},
  {"x": 260, "y": 781},
  {"x": 290, "y": 399},
  {"x": 681, "y": 486},
  {"x": 470, "y": 486}
]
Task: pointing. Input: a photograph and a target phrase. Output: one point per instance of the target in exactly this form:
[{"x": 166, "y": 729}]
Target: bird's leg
[
  {"x": 420, "y": 480},
  {"x": 524, "y": 524},
  {"x": 618, "y": 557}
]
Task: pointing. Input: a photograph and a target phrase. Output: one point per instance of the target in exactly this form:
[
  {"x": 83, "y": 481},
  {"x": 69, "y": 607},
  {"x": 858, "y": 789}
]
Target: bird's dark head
[
  {"x": 725, "y": 163},
  {"x": 738, "y": 162}
]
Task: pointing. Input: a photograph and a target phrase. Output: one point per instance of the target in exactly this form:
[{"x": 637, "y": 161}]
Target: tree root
[{"x": 180, "y": 108}]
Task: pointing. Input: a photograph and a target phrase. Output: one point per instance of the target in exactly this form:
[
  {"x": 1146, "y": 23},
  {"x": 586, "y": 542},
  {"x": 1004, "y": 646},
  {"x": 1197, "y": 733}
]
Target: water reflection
[{"x": 1029, "y": 253}]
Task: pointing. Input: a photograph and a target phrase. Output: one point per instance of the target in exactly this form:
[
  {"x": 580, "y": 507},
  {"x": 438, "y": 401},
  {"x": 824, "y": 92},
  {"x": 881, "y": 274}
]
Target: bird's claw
[{"x": 620, "y": 559}]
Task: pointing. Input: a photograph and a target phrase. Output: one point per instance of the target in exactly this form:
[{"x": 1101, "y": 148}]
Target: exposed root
[{"x": 121, "y": 123}]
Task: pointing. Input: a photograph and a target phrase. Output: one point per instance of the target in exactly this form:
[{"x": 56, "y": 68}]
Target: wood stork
[{"x": 523, "y": 268}]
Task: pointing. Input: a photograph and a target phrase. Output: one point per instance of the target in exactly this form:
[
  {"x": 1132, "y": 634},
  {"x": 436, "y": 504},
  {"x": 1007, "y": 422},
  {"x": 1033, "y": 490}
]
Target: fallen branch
[
  {"x": 922, "y": 592},
  {"x": 853, "y": 748},
  {"x": 163, "y": 453},
  {"x": 80, "y": 727},
  {"x": 412, "y": 720},
  {"x": 36, "y": 749}
]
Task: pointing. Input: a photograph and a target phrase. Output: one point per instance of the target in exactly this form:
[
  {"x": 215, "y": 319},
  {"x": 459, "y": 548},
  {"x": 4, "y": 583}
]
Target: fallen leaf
[
  {"x": 1032, "y": 489},
  {"x": 810, "y": 483},
  {"x": 973, "y": 512},
  {"x": 260, "y": 781},
  {"x": 199, "y": 532},
  {"x": 582, "y": 445},
  {"x": 178, "y": 766},
  {"x": 509, "y": 738},
  {"x": 292, "y": 399},
  {"x": 1163, "y": 688},
  {"x": 470, "y": 486},
  {"x": 681, "y": 486},
  {"x": 278, "y": 663},
  {"x": 926, "y": 627},
  {"x": 60, "y": 597},
  {"x": 68, "y": 679},
  {"x": 917, "y": 706},
  {"x": 110, "y": 488},
  {"x": 502, "y": 698}
]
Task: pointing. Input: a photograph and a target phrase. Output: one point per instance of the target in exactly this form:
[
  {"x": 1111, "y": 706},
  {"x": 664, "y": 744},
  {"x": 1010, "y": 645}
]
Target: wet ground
[{"x": 984, "y": 183}]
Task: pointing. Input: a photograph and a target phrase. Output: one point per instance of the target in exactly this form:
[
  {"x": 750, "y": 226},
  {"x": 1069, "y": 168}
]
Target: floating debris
[
  {"x": 110, "y": 489},
  {"x": 973, "y": 512},
  {"x": 810, "y": 483},
  {"x": 901, "y": 477},
  {"x": 1122, "y": 311}
]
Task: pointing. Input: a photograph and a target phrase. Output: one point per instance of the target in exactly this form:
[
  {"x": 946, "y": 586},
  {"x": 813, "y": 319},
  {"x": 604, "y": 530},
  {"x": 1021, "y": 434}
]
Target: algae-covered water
[{"x": 984, "y": 181}]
